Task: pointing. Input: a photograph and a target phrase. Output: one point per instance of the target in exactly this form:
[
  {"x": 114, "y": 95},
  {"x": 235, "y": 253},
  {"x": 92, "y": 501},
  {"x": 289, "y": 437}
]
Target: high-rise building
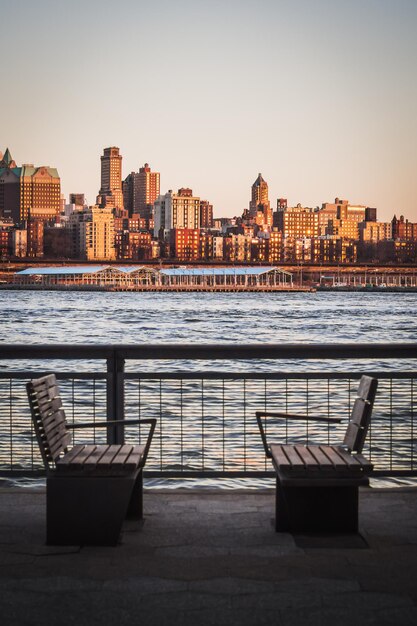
[
  {"x": 35, "y": 231},
  {"x": 128, "y": 192},
  {"x": 140, "y": 190},
  {"x": 148, "y": 190},
  {"x": 111, "y": 194},
  {"x": 206, "y": 214},
  {"x": 9, "y": 188},
  {"x": 28, "y": 189},
  {"x": 259, "y": 207},
  {"x": 93, "y": 230},
  {"x": 180, "y": 210}
]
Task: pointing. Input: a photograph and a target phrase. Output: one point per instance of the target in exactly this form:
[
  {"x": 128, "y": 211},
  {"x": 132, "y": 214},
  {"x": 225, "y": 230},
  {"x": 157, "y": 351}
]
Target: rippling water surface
[
  {"x": 135, "y": 318},
  {"x": 56, "y": 317}
]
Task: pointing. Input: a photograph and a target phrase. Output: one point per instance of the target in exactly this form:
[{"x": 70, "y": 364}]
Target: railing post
[{"x": 115, "y": 397}]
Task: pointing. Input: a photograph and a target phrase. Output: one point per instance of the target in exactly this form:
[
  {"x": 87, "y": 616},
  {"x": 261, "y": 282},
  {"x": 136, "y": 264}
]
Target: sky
[{"x": 320, "y": 96}]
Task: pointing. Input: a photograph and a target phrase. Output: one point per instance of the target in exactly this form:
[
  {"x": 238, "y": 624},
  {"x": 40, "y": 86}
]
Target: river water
[
  {"x": 99, "y": 317},
  {"x": 135, "y": 318}
]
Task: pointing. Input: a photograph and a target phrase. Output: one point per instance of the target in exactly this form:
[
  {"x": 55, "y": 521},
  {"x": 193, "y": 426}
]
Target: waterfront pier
[{"x": 209, "y": 554}]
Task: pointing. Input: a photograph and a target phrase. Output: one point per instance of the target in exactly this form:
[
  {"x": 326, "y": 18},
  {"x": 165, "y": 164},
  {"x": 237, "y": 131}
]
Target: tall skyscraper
[
  {"x": 111, "y": 194},
  {"x": 140, "y": 190},
  {"x": 259, "y": 206},
  {"x": 148, "y": 190}
]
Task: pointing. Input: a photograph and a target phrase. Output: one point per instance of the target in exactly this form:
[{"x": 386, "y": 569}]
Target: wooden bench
[
  {"x": 90, "y": 489},
  {"x": 317, "y": 485}
]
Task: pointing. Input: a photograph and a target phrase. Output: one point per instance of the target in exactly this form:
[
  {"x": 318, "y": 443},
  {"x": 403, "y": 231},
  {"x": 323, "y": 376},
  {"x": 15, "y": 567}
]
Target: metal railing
[{"x": 206, "y": 415}]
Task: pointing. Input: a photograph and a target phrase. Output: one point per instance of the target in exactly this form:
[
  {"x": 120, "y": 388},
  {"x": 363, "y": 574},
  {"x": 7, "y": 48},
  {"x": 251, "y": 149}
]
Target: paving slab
[{"x": 212, "y": 557}]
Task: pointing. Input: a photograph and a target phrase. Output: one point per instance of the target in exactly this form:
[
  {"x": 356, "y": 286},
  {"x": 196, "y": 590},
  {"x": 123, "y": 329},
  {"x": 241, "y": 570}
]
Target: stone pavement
[{"x": 212, "y": 557}]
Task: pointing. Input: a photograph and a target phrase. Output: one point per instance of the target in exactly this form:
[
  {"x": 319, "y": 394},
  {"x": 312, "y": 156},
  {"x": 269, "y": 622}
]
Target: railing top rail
[{"x": 221, "y": 351}]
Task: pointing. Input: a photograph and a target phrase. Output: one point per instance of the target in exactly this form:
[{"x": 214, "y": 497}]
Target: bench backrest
[
  {"x": 48, "y": 417},
  {"x": 361, "y": 415}
]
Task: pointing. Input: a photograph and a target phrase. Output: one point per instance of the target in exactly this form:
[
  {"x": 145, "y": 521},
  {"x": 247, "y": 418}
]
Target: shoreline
[
  {"x": 160, "y": 288},
  {"x": 206, "y": 289}
]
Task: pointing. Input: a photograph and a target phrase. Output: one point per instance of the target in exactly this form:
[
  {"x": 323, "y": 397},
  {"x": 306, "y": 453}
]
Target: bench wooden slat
[
  {"x": 336, "y": 460},
  {"x": 59, "y": 446},
  {"x": 294, "y": 458},
  {"x": 309, "y": 460},
  {"x": 47, "y": 380},
  {"x": 109, "y": 455},
  {"x": 95, "y": 456},
  {"x": 135, "y": 457},
  {"x": 351, "y": 436},
  {"x": 323, "y": 461},
  {"x": 41, "y": 394},
  {"x": 51, "y": 402},
  {"x": 58, "y": 416},
  {"x": 367, "y": 388},
  {"x": 286, "y": 457},
  {"x": 278, "y": 455},
  {"x": 367, "y": 466},
  {"x": 71, "y": 455},
  {"x": 43, "y": 390},
  {"x": 350, "y": 459},
  {"x": 83, "y": 456},
  {"x": 82, "y": 453},
  {"x": 54, "y": 425},
  {"x": 54, "y": 433},
  {"x": 358, "y": 410},
  {"x": 358, "y": 461},
  {"x": 121, "y": 456}
]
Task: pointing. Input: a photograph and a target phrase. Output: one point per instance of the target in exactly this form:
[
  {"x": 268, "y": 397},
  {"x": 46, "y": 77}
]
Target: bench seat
[
  {"x": 315, "y": 463},
  {"x": 102, "y": 460}
]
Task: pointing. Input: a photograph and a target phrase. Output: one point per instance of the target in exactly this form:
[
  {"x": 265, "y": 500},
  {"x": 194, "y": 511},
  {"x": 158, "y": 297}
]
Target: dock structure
[{"x": 145, "y": 278}]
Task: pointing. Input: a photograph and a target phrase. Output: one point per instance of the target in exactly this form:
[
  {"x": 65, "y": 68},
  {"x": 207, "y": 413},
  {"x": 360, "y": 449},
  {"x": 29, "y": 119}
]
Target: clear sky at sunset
[{"x": 318, "y": 95}]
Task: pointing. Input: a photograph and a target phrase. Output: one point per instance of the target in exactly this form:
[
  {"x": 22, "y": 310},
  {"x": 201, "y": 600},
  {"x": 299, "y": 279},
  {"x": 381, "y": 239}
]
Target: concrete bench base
[
  {"x": 316, "y": 509},
  {"x": 90, "y": 510}
]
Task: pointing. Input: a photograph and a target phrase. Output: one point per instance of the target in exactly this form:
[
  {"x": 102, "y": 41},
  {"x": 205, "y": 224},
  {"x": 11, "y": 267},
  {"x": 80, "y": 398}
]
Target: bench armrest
[
  {"x": 107, "y": 423},
  {"x": 309, "y": 418},
  {"x": 150, "y": 420},
  {"x": 261, "y": 414},
  {"x": 267, "y": 449}
]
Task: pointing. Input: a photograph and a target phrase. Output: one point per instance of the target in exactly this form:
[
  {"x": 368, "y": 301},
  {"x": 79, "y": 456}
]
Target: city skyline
[{"x": 319, "y": 98}]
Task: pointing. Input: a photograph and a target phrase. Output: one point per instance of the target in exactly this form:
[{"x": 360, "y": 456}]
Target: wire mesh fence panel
[{"x": 206, "y": 418}]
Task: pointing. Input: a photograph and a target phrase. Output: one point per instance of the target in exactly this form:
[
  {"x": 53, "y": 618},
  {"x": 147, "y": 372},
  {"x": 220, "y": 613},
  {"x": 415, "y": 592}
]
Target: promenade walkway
[{"x": 212, "y": 557}]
